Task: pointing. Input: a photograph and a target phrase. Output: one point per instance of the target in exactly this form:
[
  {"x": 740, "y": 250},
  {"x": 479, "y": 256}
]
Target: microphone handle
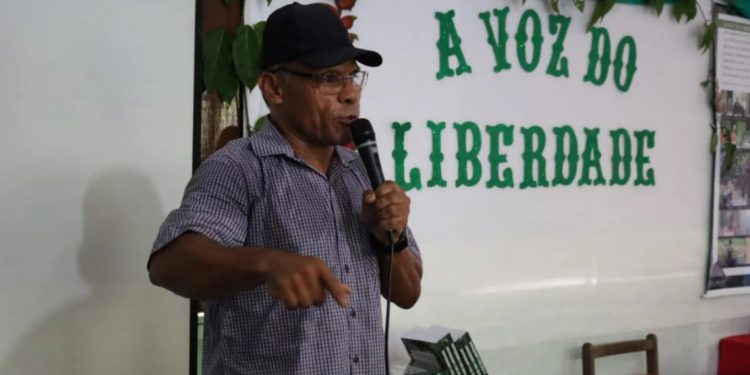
[
  {"x": 372, "y": 164},
  {"x": 370, "y": 159}
]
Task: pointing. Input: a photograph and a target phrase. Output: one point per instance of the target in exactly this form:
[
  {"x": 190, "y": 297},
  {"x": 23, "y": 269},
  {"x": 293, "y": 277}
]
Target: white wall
[
  {"x": 95, "y": 139},
  {"x": 533, "y": 274},
  {"x": 95, "y": 130}
]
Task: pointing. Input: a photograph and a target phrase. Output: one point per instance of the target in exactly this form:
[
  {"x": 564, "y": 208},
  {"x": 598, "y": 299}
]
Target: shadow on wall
[{"x": 123, "y": 324}]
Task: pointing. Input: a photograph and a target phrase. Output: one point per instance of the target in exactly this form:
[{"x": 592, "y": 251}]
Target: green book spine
[
  {"x": 478, "y": 359},
  {"x": 464, "y": 353},
  {"x": 457, "y": 361},
  {"x": 443, "y": 349},
  {"x": 452, "y": 360}
]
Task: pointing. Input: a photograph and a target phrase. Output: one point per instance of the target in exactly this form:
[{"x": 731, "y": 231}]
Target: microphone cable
[{"x": 388, "y": 300}]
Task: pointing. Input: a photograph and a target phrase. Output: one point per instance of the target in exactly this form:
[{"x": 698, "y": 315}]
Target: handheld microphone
[{"x": 364, "y": 138}]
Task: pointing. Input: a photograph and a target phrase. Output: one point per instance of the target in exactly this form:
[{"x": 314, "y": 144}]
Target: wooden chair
[{"x": 591, "y": 352}]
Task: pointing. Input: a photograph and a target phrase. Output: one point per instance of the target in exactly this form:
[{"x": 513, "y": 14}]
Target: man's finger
[
  {"x": 392, "y": 198},
  {"x": 338, "y": 290},
  {"x": 391, "y": 212},
  {"x": 388, "y": 187},
  {"x": 315, "y": 289},
  {"x": 302, "y": 292},
  {"x": 287, "y": 295},
  {"x": 319, "y": 297}
]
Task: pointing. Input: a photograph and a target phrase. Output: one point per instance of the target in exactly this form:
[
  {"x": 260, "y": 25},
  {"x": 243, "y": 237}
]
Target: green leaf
[
  {"x": 555, "y": 5},
  {"x": 579, "y": 4},
  {"x": 246, "y": 52},
  {"x": 678, "y": 10},
  {"x": 658, "y": 5},
  {"x": 259, "y": 123},
  {"x": 217, "y": 57},
  {"x": 259, "y": 27},
  {"x": 692, "y": 9},
  {"x": 268, "y": 2},
  {"x": 601, "y": 9},
  {"x": 709, "y": 36},
  {"x": 687, "y": 8},
  {"x": 228, "y": 85}
]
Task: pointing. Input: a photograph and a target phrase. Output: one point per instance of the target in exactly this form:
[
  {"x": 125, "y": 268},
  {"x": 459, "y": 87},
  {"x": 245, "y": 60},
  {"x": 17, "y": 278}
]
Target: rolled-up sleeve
[{"x": 215, "y": 204}]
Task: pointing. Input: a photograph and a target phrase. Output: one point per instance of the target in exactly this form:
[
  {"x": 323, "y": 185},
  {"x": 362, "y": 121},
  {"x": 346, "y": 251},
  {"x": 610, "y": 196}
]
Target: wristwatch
[{"x": 401, "y": 243}]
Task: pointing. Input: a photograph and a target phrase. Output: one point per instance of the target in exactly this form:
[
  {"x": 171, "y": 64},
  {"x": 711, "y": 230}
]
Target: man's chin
[{"x": 345, "y": 140}]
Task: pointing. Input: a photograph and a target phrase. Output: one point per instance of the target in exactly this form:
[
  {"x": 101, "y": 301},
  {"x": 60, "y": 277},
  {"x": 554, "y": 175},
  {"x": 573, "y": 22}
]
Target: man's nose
[{"x": 349, "y": 93}]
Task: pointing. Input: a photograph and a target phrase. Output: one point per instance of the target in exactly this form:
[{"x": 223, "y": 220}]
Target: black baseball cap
[{"x": 312, "y": 34}]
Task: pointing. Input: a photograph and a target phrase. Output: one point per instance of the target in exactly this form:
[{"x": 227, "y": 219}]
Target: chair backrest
[{"x": 590, "y": 352}]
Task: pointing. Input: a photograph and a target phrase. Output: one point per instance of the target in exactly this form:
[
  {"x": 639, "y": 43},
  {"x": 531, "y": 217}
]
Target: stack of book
[{"x": 442, "y": 351}]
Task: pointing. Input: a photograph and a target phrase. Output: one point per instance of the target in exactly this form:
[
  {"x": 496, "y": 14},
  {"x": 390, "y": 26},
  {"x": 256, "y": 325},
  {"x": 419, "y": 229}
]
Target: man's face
[{"x": 315, "y": 115}]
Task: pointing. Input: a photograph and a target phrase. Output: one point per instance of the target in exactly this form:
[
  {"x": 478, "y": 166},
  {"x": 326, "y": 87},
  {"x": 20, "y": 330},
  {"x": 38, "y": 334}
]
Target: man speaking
[{"x": 279, "y": 235}]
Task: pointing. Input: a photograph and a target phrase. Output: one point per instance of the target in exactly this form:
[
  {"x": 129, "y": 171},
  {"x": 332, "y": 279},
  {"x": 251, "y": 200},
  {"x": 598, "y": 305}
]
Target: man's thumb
[{"x": 369, "y": 197}]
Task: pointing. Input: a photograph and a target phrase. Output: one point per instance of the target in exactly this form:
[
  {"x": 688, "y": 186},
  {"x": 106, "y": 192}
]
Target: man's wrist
[{"x": 401, "y": 243}]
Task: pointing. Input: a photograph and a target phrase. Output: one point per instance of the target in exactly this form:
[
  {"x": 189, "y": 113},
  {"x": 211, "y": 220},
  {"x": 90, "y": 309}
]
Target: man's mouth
[{"x": 347, "y": 120}]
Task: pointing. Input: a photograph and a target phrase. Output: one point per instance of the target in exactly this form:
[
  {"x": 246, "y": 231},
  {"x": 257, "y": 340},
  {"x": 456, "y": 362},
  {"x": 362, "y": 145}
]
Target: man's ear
[{"x": 271, "y": 88}]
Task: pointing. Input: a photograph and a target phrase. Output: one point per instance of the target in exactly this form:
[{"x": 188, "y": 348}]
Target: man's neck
[{"x": 319, "y": 157}]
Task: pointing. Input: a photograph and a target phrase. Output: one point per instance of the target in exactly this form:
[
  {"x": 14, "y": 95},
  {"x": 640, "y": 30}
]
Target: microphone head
[{"x": 362, "y": 131}]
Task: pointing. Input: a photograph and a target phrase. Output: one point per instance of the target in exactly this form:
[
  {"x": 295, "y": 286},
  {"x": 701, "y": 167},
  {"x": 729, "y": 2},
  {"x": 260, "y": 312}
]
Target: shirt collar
[{"x": 268, "y": 141}]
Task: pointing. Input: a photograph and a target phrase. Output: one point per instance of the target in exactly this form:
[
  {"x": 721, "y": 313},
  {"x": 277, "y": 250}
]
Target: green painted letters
[
  {"x": 436, "y": 156},
  {"x": 630, "y": 68},
  {"x": 530, "y": 155},
  {"x": 500, "y": 42},
  {"x": 560, "y": 157},
  {"x": 558, "y": 64},
  {"x": 449, "y": 44},
  {"x": 601, "y": 58},
  {"x": 496, "y": 158},
  {"x": 591, "y": 159},
  {"x": 465, "y": 156},
  {"x": 644, "y": 139},
  {"x": 399, "y": 157},
  {"x": 536, "y": 40},
  {"x": 621, "y": 156}
]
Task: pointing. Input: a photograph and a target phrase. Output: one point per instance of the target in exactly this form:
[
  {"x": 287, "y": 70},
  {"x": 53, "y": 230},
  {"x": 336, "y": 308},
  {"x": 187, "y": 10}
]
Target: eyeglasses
[{"x": 331, "y": 82}]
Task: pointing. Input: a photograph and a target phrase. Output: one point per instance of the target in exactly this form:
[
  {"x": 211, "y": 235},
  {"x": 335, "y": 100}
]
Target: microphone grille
[{"x": 362, "y": 131}]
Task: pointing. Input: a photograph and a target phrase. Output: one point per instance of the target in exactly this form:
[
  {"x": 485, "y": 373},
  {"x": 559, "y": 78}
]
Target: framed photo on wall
[{"x": 729, "y": 258}]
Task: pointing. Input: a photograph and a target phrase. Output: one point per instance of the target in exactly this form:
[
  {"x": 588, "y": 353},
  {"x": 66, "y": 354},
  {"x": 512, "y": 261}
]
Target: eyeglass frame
[{"x": 320, "y": 78}]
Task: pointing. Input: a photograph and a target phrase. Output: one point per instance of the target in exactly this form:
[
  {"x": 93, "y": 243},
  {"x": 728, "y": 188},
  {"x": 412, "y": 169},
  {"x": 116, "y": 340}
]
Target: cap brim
[{"x": 336, "y": 56}]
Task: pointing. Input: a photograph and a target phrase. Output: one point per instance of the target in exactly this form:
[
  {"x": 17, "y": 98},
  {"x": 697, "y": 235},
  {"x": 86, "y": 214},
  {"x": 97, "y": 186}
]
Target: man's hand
[
  {"x": 387, "y": 208},
  {"x": 301, "y": 281}
]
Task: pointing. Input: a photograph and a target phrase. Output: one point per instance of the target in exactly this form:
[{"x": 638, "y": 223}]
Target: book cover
[
  {"x": 430, "y": 350},
  {"x": 466, "y": 350}
]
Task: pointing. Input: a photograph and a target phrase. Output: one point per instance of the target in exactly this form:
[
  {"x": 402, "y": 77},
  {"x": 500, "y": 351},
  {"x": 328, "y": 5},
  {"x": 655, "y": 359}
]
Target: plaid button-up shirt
[{"x": 257, "y": 192}]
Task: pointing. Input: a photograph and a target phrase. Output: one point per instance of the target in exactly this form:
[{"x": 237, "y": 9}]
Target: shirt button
[
  {"x": 354, "y": 314},
  {"x": 346, "y": 268},
  {"x": 355, "y": 359}
]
